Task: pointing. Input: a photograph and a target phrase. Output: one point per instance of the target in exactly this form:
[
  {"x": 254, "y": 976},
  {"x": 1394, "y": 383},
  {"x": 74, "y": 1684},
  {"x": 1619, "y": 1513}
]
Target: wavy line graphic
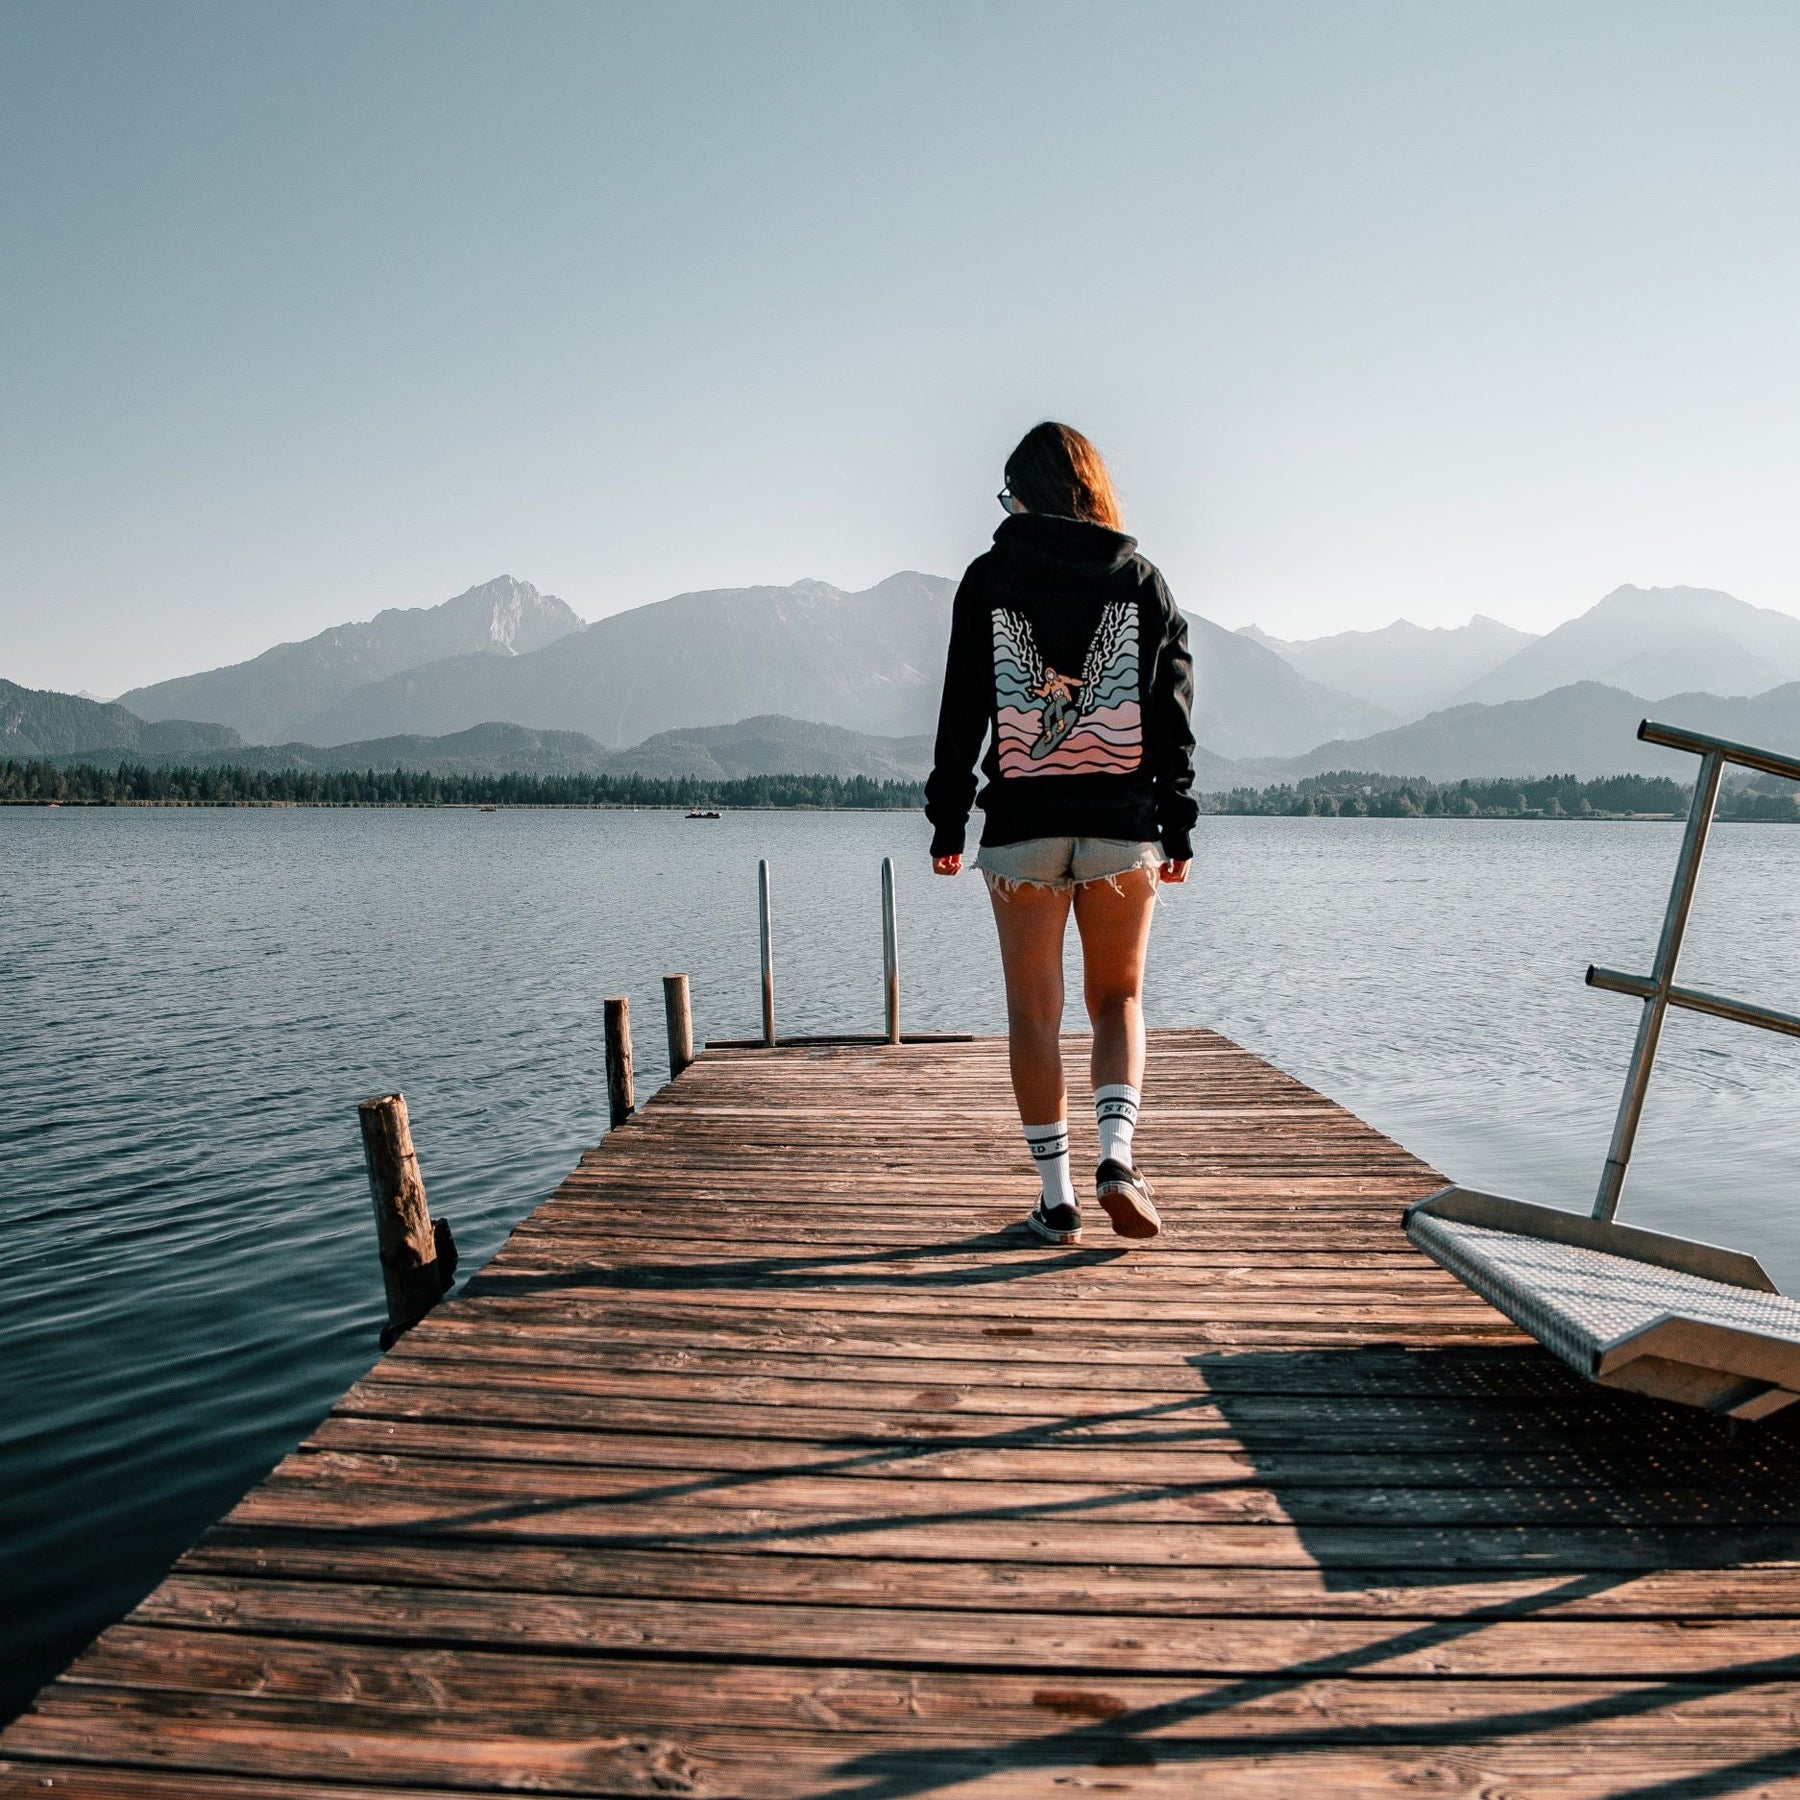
[
  {"x": 1110, "y": 745},
  {"x": 1098, "y": 710}
]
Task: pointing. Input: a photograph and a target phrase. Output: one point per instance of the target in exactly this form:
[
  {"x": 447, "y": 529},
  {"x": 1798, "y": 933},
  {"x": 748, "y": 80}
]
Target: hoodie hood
[{"x": 1044, "y": 535}]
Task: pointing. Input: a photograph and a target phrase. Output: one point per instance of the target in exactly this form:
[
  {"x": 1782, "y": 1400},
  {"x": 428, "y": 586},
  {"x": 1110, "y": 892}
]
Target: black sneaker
[
  {"x": 1125, "y": 1199},
  {"x": 1056, "y": 1224}
]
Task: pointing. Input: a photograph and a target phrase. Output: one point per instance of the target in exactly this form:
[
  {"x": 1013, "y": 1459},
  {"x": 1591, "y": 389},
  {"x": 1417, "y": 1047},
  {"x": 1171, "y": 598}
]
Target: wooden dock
[{"x": 771, "y": 1458}]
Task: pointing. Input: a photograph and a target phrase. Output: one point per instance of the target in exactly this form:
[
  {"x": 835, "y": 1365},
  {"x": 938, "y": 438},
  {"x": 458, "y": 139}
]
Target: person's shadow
[{"x": 1006, "y": 1255}]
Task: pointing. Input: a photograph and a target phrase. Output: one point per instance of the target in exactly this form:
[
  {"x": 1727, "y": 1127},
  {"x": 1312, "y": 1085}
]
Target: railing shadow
[
  {"x": 1504, "y": 1440},
  {"x": 1490, "y": 1469},
  {"x": 1671, "y": 1488}
]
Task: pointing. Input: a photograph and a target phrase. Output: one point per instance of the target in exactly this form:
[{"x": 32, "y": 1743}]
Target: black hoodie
[{"x": 1066, "y": 642}]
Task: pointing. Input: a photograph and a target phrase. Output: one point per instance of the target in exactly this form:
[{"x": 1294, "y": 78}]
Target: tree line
[
  {"x": 1346, "y": 794},
  {"x": 141, "y": 784},
  {"x": 1352, "y": 794}
]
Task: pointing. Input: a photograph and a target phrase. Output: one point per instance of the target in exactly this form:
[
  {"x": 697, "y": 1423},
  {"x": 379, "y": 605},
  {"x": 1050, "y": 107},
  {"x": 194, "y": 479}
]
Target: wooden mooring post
[
  {"x": 679, "y": 1017},
  {"x": 418, "y": 1258},
  {"x": 621, "y": 1090}
]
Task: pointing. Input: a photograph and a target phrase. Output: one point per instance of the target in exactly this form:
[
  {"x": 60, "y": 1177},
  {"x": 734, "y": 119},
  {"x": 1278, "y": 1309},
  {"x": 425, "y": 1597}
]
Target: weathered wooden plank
[
  {"x": 561, "y": 1751},
  {"x": 1144, "y": 1590},
  {"x": 994, "y": 1705},
  {"x": 913, "y": 1637},
  {"x": 1022, "y": 1355},
  {"x": 1677, "y": 1770},
  {"x": 808, "y": 1494},
  {"x": 448, "y": 1437},
  {"x": 521, "y": 1513}
]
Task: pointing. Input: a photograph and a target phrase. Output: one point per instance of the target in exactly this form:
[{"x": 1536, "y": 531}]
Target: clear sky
[{"x": 1379, "y": 307}]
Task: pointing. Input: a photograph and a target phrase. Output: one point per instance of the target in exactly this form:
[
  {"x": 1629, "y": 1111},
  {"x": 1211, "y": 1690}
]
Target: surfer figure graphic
[{"x": 1061, "y": 710}]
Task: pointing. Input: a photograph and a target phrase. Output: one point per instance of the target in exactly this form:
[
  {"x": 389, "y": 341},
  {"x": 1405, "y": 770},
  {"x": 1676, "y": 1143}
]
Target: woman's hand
[
  {"x": 1174, "y": 872},
  {"x": 947, "y": 865}
]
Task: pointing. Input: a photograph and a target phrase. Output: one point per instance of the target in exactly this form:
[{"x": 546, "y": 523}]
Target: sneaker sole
[
  {"x": 1050, "y": 1234},
  {"x": 1132, "y": 1215}
]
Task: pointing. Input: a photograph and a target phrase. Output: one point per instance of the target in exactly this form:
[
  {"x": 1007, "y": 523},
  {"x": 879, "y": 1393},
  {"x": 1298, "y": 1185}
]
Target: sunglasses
[{"x": 1009, "y": 503}]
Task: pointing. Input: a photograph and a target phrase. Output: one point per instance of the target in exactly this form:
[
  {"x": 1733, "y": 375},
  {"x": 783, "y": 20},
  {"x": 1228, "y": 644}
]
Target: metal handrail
[
  {"x": 1675, "y": 737},
  {"x": 1657, "y": 990}
]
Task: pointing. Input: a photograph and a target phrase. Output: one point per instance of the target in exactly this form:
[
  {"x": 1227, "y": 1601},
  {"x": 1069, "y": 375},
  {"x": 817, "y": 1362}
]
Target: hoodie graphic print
[{"x": 1050, "y": 722}]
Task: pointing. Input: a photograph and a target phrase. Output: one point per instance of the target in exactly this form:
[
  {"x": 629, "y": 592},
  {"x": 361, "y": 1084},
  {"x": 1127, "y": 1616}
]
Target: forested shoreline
[
  {"x": 1344, "y": 794},
  {"x": 139, "y": 784},
  {"x": 1349, "y": 794}
]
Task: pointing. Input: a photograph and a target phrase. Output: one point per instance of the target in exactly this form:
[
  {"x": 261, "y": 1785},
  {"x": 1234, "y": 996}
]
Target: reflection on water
[{"x": 193, "y": 1002}]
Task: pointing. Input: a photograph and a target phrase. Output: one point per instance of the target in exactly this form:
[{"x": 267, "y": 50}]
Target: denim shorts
[{"x": 1064, "y": 862}]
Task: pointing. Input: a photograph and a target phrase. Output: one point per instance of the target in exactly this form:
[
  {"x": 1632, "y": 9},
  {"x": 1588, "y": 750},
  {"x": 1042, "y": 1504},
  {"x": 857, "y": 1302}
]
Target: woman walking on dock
[{"x": 1068, "y": 655}]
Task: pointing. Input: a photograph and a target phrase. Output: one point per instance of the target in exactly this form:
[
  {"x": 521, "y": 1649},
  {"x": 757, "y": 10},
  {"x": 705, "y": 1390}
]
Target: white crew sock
[
  {"x": 1116, "y": 1111},
  {"x": 1049, "y": 1147}
]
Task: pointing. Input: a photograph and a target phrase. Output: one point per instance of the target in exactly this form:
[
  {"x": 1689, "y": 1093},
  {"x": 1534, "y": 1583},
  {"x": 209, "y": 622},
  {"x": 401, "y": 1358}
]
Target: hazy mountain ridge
[
  {"x": 39, "y": 722},
  {"x": 773, "y": 745},
  {"x": 809, "y": 679},
  {"x": 1584, "y": 729},
  {"x": 1249, "y": 702},
  {"x": 270, "y": 697},
  {"x": 1655, "y": 642},
  {"x": 871, "y": 661},
  {"x": 1404, "y": 668}
]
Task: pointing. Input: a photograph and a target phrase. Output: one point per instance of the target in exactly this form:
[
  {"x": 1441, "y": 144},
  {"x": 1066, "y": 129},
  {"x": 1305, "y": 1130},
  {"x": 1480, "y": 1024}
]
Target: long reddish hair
[{"x": 1056, "y": 470}]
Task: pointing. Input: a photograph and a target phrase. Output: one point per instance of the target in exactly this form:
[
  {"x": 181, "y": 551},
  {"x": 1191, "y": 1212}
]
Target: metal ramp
[{"x": 1628, "y": 1308}]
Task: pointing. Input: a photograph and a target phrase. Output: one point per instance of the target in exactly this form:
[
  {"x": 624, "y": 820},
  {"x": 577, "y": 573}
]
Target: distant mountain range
[
  {"x": 810, "y": 679},
  {"x": 36, "y": 722},
  {"x": 1655, "y": 642},
  {"x": 871, "y": 662},
  {"x": 1405, "y": 669},
  {"x": 277, "y": 695},
  {"x": 1584, "y": 729},
  {"x": 769, "y": 745},
  {"x": 1650, "y": 641}
]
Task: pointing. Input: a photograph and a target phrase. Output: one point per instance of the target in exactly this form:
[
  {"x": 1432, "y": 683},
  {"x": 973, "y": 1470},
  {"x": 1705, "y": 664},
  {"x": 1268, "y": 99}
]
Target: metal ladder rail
[
  {"x": 890, "y": 954},
  {"x": 1658, "y": 990}
]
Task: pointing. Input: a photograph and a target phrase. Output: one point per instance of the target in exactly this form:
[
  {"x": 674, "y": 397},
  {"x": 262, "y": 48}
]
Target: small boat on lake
[{"x": 698, "y": 814}]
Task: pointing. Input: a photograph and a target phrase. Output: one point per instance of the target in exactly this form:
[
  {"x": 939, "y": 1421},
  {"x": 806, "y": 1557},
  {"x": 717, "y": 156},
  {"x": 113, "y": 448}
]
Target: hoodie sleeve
[
  {"x": 962, "y": 719},
  {"x": 1171, "y": 733}
]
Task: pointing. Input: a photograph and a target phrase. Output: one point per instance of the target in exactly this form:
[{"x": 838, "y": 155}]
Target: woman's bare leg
[
  {"x": 1031, "y": 922},
  {"x": 1114, "y": 921}
]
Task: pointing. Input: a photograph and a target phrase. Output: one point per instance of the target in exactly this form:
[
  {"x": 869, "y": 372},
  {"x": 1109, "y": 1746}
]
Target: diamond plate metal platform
[{"x": 1628, "y": 1308}]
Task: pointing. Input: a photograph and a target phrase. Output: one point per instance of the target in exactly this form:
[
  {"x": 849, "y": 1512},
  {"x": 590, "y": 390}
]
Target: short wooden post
[
  {"x": 418, "y": 1261},
  {"x": 679, "y": 1017},
  {"x": 890, "y": 950},
  {"x": 621, "y": 1092},
  {"x": 768, "y": 954}
]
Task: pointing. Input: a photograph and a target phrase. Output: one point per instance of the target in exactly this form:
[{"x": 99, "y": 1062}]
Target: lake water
[{"x": 191, "y": 1003}]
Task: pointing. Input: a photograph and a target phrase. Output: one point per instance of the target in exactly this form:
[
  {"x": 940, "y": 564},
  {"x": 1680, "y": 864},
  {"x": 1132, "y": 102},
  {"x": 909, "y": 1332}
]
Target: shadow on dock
[{"x": 1677, "y": 1490}]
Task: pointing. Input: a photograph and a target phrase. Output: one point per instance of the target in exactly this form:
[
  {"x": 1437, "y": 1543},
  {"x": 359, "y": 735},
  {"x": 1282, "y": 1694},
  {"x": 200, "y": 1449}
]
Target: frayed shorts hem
[{"x": 1062, "y": 865}]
